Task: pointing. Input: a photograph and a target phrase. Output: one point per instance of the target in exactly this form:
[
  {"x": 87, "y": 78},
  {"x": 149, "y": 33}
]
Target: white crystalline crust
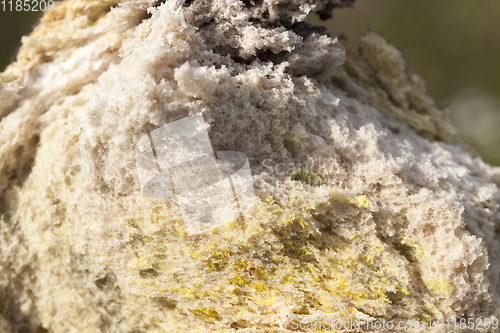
[
  {"x": 382, "y": 215},
  {"x": 180, "y": 165}
]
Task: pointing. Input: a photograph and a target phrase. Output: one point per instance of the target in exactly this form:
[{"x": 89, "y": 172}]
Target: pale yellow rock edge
[{"x": 391, "y": 219}]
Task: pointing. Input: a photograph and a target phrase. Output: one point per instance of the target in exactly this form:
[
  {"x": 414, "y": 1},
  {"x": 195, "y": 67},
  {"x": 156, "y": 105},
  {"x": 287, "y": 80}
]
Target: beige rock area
[{"x": 369, "y": 205}]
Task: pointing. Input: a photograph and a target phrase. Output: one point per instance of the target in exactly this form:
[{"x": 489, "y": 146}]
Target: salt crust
[{"x": 399, "y": 222}]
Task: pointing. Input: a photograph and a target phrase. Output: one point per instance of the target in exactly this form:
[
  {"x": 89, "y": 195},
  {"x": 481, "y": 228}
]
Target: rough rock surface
[{"x": 383, "y": 213}]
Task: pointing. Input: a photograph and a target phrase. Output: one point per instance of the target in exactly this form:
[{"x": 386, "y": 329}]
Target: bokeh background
[{"x": 453, "y": 44}]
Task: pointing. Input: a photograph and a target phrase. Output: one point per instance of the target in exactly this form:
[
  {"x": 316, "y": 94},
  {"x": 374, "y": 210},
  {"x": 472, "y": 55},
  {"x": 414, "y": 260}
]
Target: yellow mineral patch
[
  {"x": 140, "y": 263},
  {"x": 268, "y": 200},
  {"x": 215, "y": 266},
  {"x": 287, "y": 280},
  {"x": 220, "y": 254},
  {"x": 362, "y": 201},
  {"x": 259, "y": 286},
  {"x": 241, "y": 264},
  {"x": 410, "y": 249},
  {"x": 368, "y": 259},
  {"x": 438, "y": 286},
  {"x": 238, "y": 281},
  {"x": 431, "y": 310},
  {"x": 206, "y": 313}
]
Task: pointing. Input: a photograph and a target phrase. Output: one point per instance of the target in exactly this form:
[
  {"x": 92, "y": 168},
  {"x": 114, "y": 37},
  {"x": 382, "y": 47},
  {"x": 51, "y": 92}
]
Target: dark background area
[
  {"x": 13, "y": 25},
  {"x": 453, "y": 44}
]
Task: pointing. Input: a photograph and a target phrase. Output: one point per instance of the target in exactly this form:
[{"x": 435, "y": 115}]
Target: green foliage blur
[{"x": 453, "y": 44}]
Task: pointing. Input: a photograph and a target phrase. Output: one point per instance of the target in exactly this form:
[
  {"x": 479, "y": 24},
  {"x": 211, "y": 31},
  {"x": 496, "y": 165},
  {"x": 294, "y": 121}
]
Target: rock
[{"x": 369, "y": 205}]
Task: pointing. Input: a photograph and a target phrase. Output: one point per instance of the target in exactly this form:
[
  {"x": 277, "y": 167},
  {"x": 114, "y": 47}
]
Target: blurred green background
[{"x": 453, "y": 44}]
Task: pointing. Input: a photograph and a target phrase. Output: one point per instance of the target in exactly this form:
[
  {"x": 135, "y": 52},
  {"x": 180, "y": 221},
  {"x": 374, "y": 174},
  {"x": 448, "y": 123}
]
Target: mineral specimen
[{"x": 383, "y": 214}]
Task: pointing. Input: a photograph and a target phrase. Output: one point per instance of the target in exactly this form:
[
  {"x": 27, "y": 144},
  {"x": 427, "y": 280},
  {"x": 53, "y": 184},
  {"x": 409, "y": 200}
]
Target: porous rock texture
[{"x": 382, "y": 213}]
